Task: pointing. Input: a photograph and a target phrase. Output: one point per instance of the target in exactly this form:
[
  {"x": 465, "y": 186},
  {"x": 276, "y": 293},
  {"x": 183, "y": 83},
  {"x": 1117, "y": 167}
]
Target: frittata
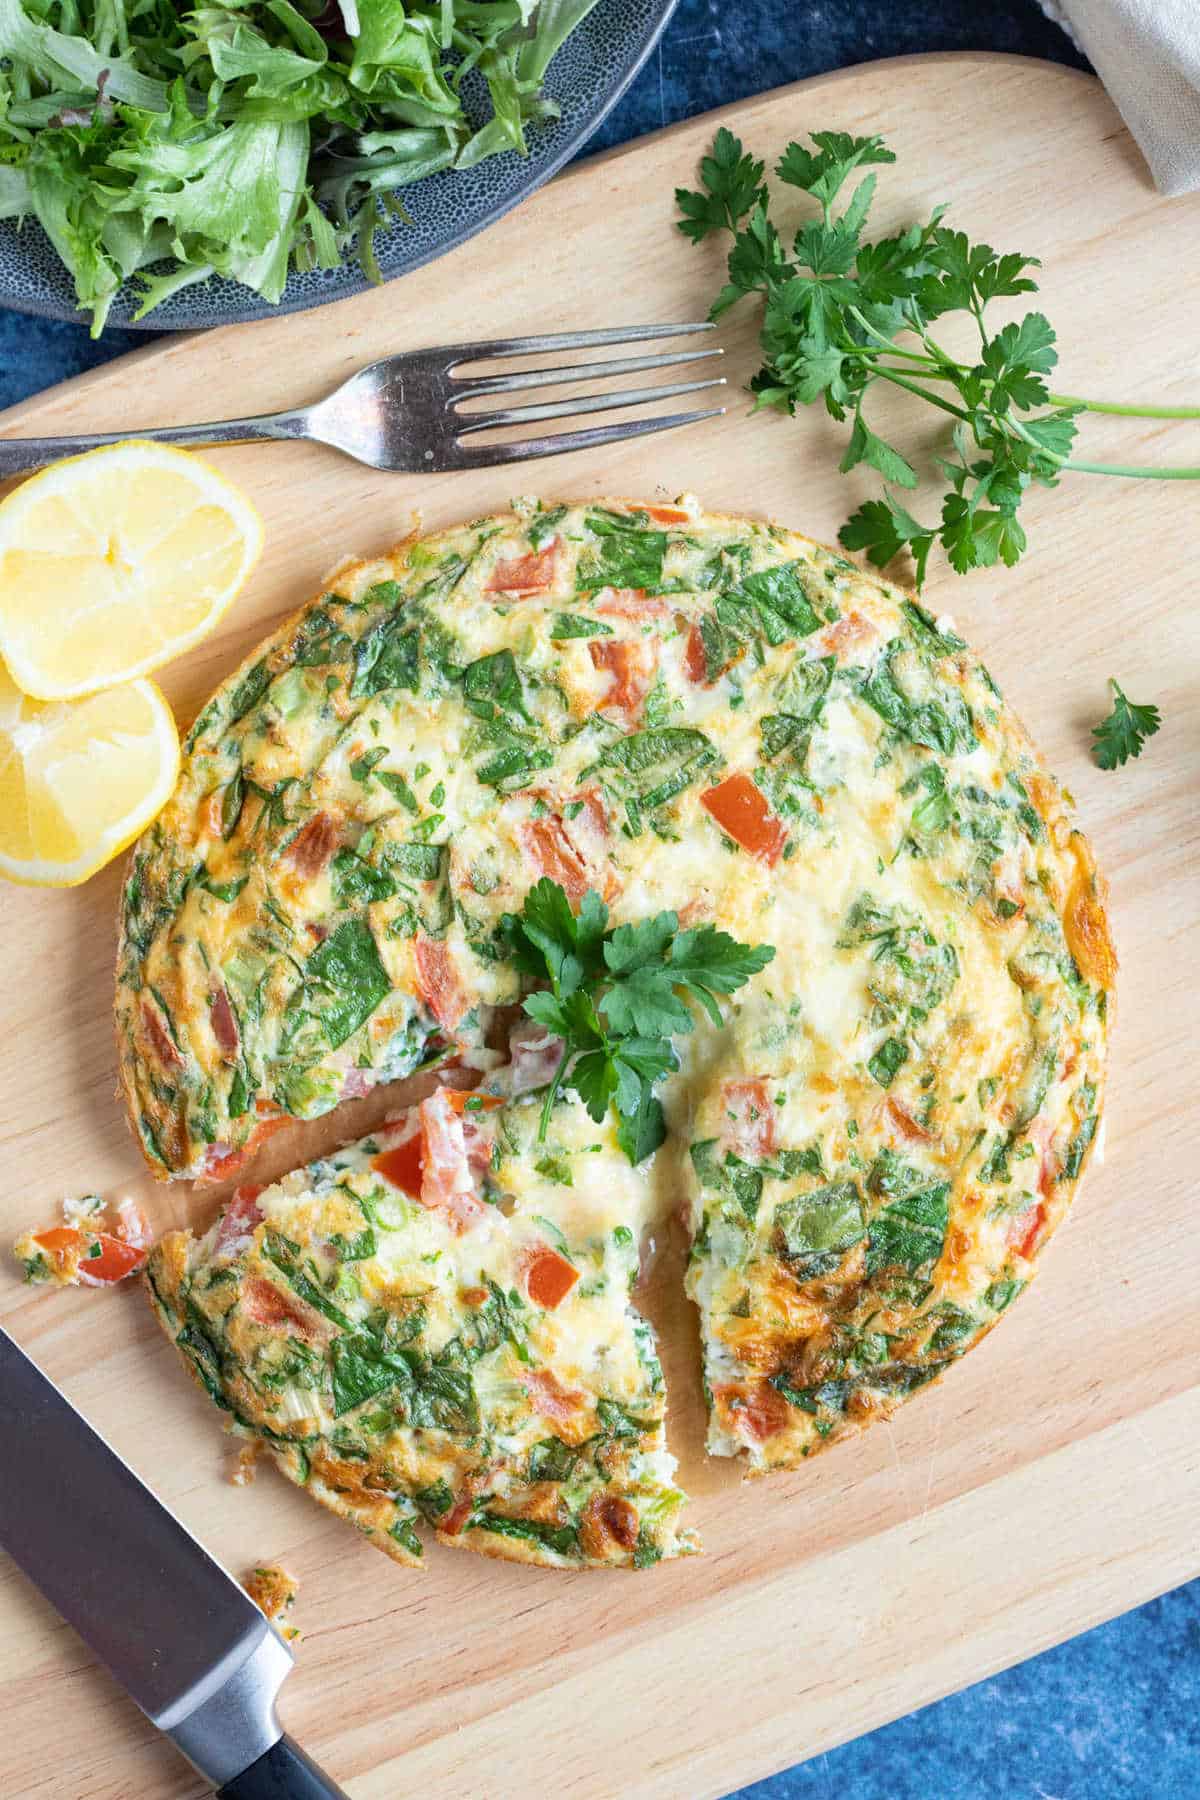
[
  {"x": 679, "y": 713},
  {"x": 430, "y": 1326}
]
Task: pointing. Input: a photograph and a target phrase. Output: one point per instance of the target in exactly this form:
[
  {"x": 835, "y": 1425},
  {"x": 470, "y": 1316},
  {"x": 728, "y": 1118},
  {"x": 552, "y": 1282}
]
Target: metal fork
[{"x": 403, "y": 412}]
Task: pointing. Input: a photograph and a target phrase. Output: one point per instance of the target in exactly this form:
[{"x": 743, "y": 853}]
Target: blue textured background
[{"x": 1112, "y": 1714}]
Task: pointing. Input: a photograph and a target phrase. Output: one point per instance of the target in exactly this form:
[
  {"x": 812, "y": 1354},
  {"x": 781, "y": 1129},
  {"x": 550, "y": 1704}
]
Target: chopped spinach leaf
[
  {"x": 345, "y": 980},
  {"x": 624, "y": 557},
  {"x": 249, "y": 691},
  {"x": 816, "y": 1229},
  {"x": 387, "y": 657},
  {"x": 888, "y": 1060},
  {"x": 909, "y": 1232},
  {"x": 358, "y": 883},
  {"x": 574, "y": 625},
  {"x": 561, "y": 1538}
]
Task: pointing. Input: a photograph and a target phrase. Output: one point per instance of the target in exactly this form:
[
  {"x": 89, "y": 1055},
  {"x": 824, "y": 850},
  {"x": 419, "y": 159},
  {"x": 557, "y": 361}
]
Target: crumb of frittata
[
  {"x": 244, "y": 1467},
  {"x": 92, "y": 1248},
  {"x": 274, "y": 1591}
]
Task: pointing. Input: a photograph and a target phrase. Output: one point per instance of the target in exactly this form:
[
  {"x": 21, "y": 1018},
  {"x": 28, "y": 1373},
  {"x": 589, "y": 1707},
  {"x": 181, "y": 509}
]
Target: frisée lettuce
[{"x": 246, "y": 137}]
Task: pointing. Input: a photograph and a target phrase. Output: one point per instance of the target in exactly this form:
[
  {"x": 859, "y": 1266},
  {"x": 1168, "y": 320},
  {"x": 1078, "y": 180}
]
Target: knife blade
[{"x": 184, "y": 1640}]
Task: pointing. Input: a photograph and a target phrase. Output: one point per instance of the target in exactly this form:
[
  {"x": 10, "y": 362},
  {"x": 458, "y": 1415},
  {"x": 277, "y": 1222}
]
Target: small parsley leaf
[{"x": 1125, "y": 730}]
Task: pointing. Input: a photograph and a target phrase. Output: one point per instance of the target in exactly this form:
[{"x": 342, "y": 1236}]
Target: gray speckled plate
[{"x": 587, "y": 78}]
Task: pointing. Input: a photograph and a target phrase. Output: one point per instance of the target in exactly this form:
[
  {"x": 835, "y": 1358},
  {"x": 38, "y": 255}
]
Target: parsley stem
[
  {"x": 886, "y": 374},
  {"x": 552, "y": 1093},
  {"x": 1127, "y": 412},
  {"x": 1139, "y": 471}
]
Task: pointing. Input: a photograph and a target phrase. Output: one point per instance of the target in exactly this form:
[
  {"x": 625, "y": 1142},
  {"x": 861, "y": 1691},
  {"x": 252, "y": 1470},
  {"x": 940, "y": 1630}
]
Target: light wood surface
[{"x": 1051, "y": 1480}]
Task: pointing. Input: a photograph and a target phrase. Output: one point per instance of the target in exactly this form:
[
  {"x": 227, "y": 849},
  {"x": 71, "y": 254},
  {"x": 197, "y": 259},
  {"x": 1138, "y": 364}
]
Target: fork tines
[{"x": 471, "y": 386}]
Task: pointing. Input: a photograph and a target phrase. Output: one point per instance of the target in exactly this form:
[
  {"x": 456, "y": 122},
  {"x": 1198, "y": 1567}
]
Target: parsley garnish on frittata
[
  {"x": 615, "y": 1000},
  {"x": 842, "y": 313},
  {"x": 1124, "y": 731}
]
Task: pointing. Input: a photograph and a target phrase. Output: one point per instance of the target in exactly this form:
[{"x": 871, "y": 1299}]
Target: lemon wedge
[
  {"x": 113, "y": 562},
  {"x": 80, "y": 779}
]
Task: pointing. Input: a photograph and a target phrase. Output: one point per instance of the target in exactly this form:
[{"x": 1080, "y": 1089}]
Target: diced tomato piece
[
  {"x": 548, "y": 1396},
  {"x": 632, "y": 667},
  {"x": 631, "y": 603},
  {"x": 1025, "y": 1230},
  {"x": 575, "y": 853},
  {"x": 224, "y": 1023},
  {"x": 532, "y": 573},
  {"x": 668, "y": 515},
  {"x": 748, "y": 1126},
  {"x": 439, "y": 986},
  {"x": 403, "y": 1165},
  {"x": 268, "y": 1305},
  {"x": 439, "y": 1159},
  {"x": 906, "y": 1125},
  {"x": 740, "y": 809},
  {"x": 116, "y": 1260},
  {"x": 548, "y": 1277},
  {"x": 314, "y": 844},
  {"x": 160, "y": 1038},
  {"x": 552, "y": 853}
]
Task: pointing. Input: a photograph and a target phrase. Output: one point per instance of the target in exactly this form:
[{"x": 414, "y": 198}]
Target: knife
[{"x": 184, "y": 1639}]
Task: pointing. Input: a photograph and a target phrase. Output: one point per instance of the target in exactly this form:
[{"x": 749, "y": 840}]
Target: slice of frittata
[{"x": 433, "y": 1327}]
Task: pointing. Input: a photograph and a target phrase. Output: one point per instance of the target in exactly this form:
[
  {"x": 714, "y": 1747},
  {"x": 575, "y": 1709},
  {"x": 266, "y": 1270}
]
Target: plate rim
[{"x": 256, "y": 308}]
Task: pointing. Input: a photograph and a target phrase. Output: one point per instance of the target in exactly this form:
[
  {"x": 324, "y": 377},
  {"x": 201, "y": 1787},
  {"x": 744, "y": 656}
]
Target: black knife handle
[{"x": 284, "y": 1773}]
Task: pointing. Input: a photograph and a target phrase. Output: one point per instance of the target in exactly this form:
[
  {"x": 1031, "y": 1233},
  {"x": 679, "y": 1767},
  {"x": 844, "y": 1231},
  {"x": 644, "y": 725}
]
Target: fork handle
[{"x": 17, "y": 455}]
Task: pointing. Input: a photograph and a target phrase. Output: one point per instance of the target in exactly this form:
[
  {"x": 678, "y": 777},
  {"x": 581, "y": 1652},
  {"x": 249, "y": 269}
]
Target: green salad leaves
[
  {"x": 244, "y": 137},
  {"x": 615, "y": 999}
]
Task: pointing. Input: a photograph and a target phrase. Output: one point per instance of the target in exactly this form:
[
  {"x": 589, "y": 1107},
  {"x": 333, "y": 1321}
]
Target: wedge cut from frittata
[
  {"x": 433, "y": 1328},
  {"x": 678, "y": 712}
]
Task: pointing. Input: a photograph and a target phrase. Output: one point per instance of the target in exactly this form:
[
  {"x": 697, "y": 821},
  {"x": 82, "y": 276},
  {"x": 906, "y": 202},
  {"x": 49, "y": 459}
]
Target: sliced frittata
[
  {"x": 672, "y": 712},
  {"x": 434, "y": 1327}
]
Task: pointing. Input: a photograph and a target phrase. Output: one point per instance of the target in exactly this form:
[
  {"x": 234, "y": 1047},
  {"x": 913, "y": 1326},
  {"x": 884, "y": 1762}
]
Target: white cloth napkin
[{"x": 1147, "y": 54}]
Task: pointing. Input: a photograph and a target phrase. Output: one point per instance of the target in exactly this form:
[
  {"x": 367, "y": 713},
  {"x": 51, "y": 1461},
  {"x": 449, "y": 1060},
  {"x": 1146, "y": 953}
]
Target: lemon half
[
  {"x": 80, "y": 780},
  {"x": 113, "y": 562}
]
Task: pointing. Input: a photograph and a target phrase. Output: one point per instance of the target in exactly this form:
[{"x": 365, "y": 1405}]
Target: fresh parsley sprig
[
  {"x": 1125, "y": 730},
  {"x": 841, "y": 313},
  {"x": 616, "y": 1000}
]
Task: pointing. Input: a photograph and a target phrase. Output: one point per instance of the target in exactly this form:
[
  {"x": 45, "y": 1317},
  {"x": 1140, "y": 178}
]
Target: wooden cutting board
[{"x": 1051, "y": 1480}]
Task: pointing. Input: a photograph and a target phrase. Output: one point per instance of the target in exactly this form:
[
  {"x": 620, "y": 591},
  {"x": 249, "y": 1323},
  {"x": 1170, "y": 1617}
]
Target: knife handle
[{"x": 284, "y": 1773}]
